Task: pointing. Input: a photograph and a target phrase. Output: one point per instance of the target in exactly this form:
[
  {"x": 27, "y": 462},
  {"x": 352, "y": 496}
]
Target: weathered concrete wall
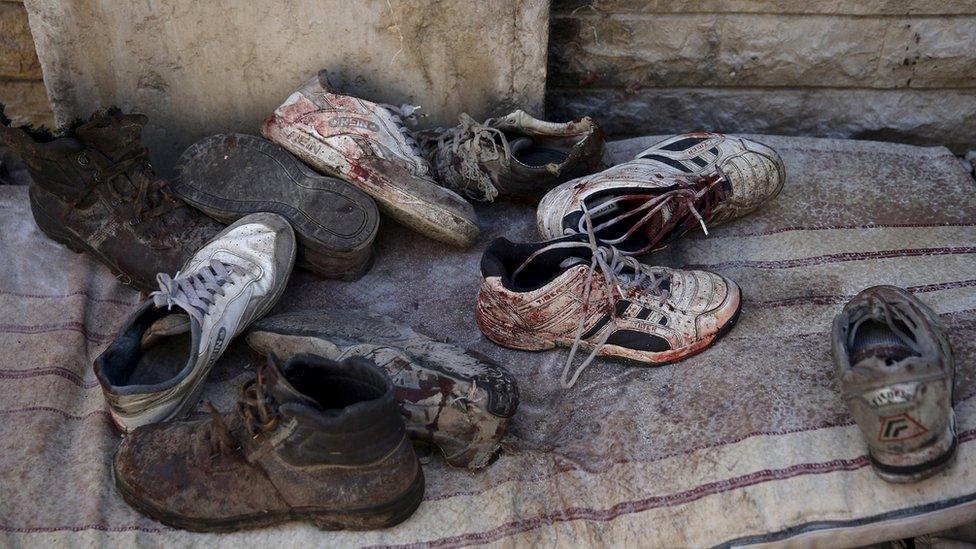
[
  {"x": 903, "y": 70},
  {"x": 21, "y": 86},
  {"x": 222, "y": 65}
]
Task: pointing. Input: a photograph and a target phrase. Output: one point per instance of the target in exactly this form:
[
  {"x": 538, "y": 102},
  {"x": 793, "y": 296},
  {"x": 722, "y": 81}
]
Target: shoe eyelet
[{"x": 83, "y": 159}]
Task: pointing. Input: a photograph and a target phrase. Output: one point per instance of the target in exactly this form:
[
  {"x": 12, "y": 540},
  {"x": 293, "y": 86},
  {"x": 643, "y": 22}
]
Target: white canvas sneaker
[
  {"x": 155, "y": 369},
  {"x": 367, "y": 144}
]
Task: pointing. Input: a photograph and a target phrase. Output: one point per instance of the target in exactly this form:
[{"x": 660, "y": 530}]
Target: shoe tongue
[
  {"x": 167, "y": 326},
  {"x": 112, "y": 133},
  {"x": 877, "y": 341},
  {"x": 282, "y": 390}
]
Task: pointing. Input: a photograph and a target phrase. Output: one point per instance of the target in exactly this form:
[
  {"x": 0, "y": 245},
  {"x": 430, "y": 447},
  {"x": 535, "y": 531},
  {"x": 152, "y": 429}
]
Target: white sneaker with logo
[
  {"x": 155, "y": 368},
  {"x": 368, "y": 145}
]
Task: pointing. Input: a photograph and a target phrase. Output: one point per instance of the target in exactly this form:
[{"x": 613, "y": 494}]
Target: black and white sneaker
[
  {"x": 754, "y": 172},
  {"x": 682, "y": 182}
]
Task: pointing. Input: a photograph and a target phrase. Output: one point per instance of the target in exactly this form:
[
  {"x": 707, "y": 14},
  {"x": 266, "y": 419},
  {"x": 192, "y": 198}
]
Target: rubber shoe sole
[
  {"x": 514, "y": 338},
  {"x": 228, "y": 176},
  {"x": 377, "y": 517}
]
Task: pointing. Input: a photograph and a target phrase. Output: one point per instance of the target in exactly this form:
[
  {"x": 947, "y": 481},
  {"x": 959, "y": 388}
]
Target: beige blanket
[{"x": 746, "y": 443}]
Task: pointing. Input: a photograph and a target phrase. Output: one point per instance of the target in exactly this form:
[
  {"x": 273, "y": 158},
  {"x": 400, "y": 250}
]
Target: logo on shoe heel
[
  {"x": 899, "y": 427},
  {"x": 895, "y": 394}
]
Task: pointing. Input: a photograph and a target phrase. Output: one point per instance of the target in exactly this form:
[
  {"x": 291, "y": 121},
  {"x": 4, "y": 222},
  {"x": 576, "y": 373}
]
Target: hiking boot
[
  {"x": 643, "y": 205},
  {"x": 450, "y": 399},
  {"x": 571, "y": 293},
  {"x": 515, "y": 156},
  {"x": 368, "y": 145},
  {"x": 155, "y": 368},
  {"x": 231, "y": 175},
  {"x": 94, "y": 191},
  {"x": 897, "y": 374},
  {"x": 313, "y": 440}
]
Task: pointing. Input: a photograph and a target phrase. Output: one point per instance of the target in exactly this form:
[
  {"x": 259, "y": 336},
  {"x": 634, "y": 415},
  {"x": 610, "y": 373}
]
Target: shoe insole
[
  {"x": 540, "y": 156},
  {"x": 162, "y": 361}
]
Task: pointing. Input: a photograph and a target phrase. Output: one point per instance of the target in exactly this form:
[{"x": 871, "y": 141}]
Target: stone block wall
[
  {"x": 198, "y": 67},
  {"x": 21, "y": 85},
  {"x": 899, "y": 70}
]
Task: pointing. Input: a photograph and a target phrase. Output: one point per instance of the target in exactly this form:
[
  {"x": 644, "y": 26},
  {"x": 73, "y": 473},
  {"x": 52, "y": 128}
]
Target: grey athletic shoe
[
  {"x": 515, "y": 156},
  {"x": 896, "y": 373},
  {"x": 455, "y": 401},
  {"x": 155, "y": 368}
]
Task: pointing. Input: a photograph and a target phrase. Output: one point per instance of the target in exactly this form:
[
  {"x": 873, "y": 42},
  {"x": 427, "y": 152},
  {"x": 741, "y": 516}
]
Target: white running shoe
[{"x": 155, "y": 369}]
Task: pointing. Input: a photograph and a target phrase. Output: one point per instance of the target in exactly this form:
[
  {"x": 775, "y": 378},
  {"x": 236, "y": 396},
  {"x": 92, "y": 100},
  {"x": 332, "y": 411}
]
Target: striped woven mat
[{"x": 747, "y": 442}]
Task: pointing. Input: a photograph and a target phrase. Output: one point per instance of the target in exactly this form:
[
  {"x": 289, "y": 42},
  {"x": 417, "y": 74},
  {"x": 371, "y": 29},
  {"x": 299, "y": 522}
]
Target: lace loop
[
  {"x": 151, "y": 198},
  {"x": 892, "y": 316},
  {"x": 257, "y": 409},
  {"x": 194, "y": 293},
  {"x": 403, "y": 115},
  {"x": 621, "y": 274},
  {"x": 465, "y": 147},
  {"x": 688, "y": 197},
  {"x": 461, "y": 150}
]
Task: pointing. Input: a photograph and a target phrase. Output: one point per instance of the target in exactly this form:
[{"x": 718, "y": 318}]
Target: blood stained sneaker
[
  {"x": 93, "y": 190},
  {"x": 311, "y": 440},
  {"x": 516, "y": 156},
  {"x": 453, "y": 400},
  {"x": 571, "y": 293},
  {"x": 685, "y": 181},
  {"x": 896, "y": 374},
  {"x": 155, "y": 369},
  {"x": 231, "y": 175},
  {"x": 368, "y": 145}
]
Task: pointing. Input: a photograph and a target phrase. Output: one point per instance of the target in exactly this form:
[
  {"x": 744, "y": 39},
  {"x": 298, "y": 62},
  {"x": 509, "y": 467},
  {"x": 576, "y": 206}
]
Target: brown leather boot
[
  {"x": 94, "y": 191},
  {"x": 313, "y": 440}
]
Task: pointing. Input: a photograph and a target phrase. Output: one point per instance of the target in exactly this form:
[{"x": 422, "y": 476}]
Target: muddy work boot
[
  {"x": 231, "y": 175},
  {"x": 368, "y": 145},
  {"x": 155, "y": 368},
  {"x": 457, "y": 402},
  {"x": 516, "y": 156},
  {"x": 94, "y": 191},
  {"x": 896, "y": 374},
  {"x": 312, "y": 440}
]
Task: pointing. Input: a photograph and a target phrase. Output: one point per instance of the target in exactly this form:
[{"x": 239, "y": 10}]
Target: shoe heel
[
  {"x": 379, "y": 517},
  {"x": 507, "y": 335}
]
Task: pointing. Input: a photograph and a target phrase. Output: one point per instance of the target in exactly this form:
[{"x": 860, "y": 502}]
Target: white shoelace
[
  {"x": 686, "y": 195},
  {"x": 472, "y": 143},
  {"x": 403, "y": 115},
  {"x": 195, "y": 293},
  {"x": 611, "y": 263}
]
